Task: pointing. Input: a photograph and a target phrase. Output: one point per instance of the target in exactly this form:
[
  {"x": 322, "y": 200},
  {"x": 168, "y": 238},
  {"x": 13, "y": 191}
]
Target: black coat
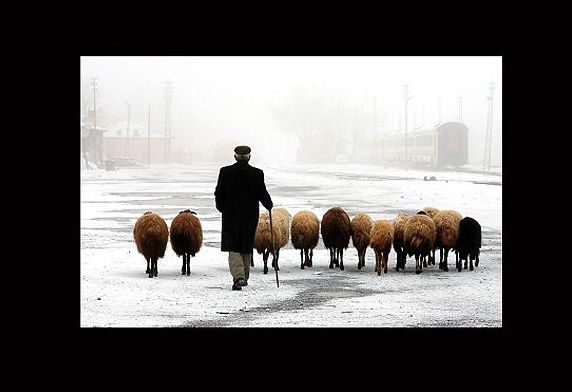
[{"x": 239, "y": 189}]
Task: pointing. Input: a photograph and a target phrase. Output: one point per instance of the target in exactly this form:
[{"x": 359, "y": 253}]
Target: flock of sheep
[{"x": 419, "y": 235}]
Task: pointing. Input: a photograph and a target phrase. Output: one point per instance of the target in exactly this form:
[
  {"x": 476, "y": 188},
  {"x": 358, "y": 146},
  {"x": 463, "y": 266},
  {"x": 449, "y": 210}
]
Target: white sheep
[
  {"x": 305, "y": 234},
  {"x": 381, "y": 242},
  {"x": 186, "y": 237},
  {"x": 151, "y": 235},
  {"x": 361, "y": 226},
  {"x": 280, "y": 231}
]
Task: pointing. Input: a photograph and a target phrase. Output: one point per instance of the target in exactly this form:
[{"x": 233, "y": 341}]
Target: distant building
[
  {"x": 92, "y": 144},
  {"x": 134, "y": 143}
]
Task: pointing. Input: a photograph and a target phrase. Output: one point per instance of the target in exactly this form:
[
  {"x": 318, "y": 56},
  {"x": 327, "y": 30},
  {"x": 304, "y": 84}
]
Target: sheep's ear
[{"x": 192, "y": 212}]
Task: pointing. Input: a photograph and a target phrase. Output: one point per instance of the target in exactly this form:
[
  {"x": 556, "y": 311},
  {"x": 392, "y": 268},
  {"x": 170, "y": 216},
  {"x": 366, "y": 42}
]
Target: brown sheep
[
  {"x": 432, "y": 212},
  {"x": 280, "y": 232},
  {"x": 305, "y": 234},
  {"x": 186, "y": 236},
  {"x": 361, "y": 226},
  {"x": 336, "y": 232},
  {"x": 447, "y": 226},
  {"x": 381, "y": 241},
  {"x": 151, "y": 236},
  {"x": 419, "y": 237},
  {"x": 399, "y": 239}
]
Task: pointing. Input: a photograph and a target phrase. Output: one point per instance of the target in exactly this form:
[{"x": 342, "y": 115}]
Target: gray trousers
[{"x": 239, "y": 264}]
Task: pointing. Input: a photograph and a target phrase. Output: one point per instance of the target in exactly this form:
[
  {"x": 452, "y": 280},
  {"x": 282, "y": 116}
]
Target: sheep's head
[
  {"x": 187, "y": 211},
  {"x": 421, "y": 213}
]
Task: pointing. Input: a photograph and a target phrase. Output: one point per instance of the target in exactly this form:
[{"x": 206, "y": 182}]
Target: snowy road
[{"x": 116, "y": 292}]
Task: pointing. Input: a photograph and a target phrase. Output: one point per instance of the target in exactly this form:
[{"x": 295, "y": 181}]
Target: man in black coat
[{"x": 239, "y": 189}]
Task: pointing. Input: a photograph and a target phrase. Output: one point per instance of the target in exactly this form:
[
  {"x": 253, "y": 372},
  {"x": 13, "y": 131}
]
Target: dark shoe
[
  {"x": 241, "y": 282},
  {"x": 236, "y": 286}
]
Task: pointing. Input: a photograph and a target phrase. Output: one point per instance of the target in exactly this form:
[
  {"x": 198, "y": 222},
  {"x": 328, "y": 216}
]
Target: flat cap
[{"x": 242, "y": 150}]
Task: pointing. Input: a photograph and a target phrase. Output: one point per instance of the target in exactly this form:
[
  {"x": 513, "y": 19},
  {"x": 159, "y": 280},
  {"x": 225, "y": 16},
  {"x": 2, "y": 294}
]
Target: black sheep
[{"x": 469, "y": 242}]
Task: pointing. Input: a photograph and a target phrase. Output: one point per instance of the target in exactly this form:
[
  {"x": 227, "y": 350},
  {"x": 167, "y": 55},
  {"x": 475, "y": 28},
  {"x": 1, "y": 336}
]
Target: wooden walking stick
[{"x": 273, "y": 251}]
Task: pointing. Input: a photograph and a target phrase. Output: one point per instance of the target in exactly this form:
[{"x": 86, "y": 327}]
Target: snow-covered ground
[{"x": 116, "y": 292}]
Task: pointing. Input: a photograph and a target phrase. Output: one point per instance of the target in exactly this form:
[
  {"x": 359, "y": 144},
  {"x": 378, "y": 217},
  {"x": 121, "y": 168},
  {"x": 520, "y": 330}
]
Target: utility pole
[
  {"x": 168, "y": 101},
  {"x": 489, "y": 134},
  {"x": 407, "y": 97},
  {"x": 149, "y": 139},
  {"x": 95, "y": 138},
  {"x": 128, "y": 123},
  {"x": 94, "y": 87},
  {"x": 460, "y": 109}
]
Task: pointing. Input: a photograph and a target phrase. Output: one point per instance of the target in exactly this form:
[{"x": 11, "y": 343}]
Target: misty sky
[{"x": 250, "y": 99}]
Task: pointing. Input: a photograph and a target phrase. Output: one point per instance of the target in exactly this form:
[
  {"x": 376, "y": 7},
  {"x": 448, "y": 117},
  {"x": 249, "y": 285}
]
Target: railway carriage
[{"x": 445, "y": 144}]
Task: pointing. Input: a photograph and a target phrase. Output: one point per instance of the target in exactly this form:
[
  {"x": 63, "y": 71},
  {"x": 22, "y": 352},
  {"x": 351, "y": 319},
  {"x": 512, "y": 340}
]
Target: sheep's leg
[
  {"x": 377, "y": 262},
  {"x": 385, "y": 261},
  {"x": 467, "y": 261},
  {"x": 477, "y": 260},
  {"x": 341, "y": 259},
  {"x": 418, "y": 264},
  {"x": 183, "y": 267},
  {"x": 460, "y": 265},
  {"x": 332, "y": 250},
  {"x": 472, "y": 257},
  {"x": 265, "y": 255},
  {"x": 301, "y": 258},
  {"x": 154, "y": 271},
  {"x": 148, "y": 270},
  {"x": 252, "y": 259},
  {"x": 337, "y": 257},
  {"x": 445, "y": 260},
  {"x": 188, "y": 264}
]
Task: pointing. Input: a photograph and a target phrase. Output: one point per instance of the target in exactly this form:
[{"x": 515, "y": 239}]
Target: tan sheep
[
  {"x": 361, "y": 226},
  {"x": 381, "y": 241},
  {"x": 447, "y": 226},
  {"x": 151, "y": 236},
  {"x": 336, "y": 233},
  {"x": 399, "y": 239},
  {"x": 431, "y": 211},
  {"x": 305, "y": 234},
  {"x": 419, "y": 237},
  {"x": 281, "y": 235},
  {"x": 186, "y": 237}
]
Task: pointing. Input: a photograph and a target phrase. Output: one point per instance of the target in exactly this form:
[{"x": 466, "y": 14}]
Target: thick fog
[{"x": 273, "y": 102}]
